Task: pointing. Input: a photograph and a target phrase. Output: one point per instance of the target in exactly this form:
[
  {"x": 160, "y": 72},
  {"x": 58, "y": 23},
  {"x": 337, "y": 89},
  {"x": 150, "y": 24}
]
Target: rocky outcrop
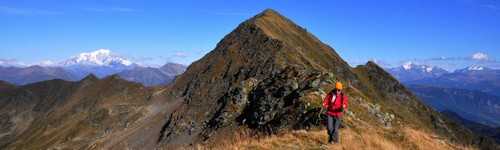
[
  {"x": 278, "y": 58},
  {"x": 267, "y": 76},
  {"x": 270, "y": 75}
]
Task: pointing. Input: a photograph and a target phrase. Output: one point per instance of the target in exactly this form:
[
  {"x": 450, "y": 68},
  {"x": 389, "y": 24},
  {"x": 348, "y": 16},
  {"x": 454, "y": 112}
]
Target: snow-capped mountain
[
  {"x": 474, "y": 68},
  {"x": 455, "y": 63},
  {"x": 101, "y": 62},
  {"x": 101, "y": 57},
  {"x": 411, "y": 71},
  {"x": 410, "y": 66},
  {"x": 474, "y": 77}
]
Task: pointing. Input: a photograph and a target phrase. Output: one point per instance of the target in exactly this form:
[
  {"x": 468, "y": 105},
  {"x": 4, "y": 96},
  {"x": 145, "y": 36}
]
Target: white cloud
[{"x": 480, "y": 56}]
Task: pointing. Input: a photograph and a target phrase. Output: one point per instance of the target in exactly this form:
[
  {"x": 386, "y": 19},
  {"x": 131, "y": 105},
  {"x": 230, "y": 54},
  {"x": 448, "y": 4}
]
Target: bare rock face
[
  {"x": 269, "y": 49},
  {"x": 268, "y": 76}
]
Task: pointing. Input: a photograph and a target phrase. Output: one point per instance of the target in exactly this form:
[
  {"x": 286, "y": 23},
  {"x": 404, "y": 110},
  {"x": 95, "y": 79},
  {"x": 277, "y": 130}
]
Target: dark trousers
[{"x": 333, "y": 129}]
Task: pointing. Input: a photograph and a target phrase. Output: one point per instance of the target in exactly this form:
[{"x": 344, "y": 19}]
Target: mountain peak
[
  {"x": 263, "y": 48},
  {"x": 408, "y": 65},
  {"x": 268, "y": 13},
  {"x": 279, "y": 27},
  {"x": 270, "y": 36},
  {"x": 413, "y": 67},
  {"x": 476, "y": 68},
  {"x": 100, "y": 57},
  {"x": 90, "y": 77},
  {"x": 372, "y": 64},
  {"x": 173, "y": 69},
  {"x": 375, "y": 67}
]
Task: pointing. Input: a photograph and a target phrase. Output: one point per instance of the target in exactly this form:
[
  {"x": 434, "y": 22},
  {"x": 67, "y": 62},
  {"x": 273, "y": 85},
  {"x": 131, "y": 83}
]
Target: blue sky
[{"x": 183, "y": 31}]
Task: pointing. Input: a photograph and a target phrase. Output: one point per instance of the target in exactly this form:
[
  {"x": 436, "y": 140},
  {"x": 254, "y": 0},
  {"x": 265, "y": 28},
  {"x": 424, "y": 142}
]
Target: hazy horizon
[{"x": 153, "y": 33}]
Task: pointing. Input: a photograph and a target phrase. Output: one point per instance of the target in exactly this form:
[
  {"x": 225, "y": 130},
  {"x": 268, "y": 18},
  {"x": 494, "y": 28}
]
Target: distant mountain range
[
  {"x": 150, "y": 76},
  {"x": 267, "y": 76},
  {"x": 101, "y": 63},
  {"x": 21, "y": 76},
  {"x": 474, "y": 77},
  {"x": 411, "y": 72},
  {"x": 448, "y": 63},
  {"x": 471, "y": 78},
  {"x": 470, "y": 95}
]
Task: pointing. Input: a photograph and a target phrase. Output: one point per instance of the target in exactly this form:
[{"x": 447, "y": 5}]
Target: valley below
[{"x": 260, "y": 88}]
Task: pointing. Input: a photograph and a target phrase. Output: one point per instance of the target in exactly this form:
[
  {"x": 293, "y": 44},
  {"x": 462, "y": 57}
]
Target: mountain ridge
[
  {"x": 247, "y": 55},
  {"x": 411, "y": 72},
  {"x": 268, "y": 76},
  {"x": 227, "y": 88},
  {"x": 148, "y": 76}
]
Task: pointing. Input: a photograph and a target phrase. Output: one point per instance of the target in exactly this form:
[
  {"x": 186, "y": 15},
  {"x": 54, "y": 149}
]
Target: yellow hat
[{"x": 338, "y": 85}]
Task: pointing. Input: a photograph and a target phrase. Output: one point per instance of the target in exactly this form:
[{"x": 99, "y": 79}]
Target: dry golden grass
[
  {"x": 370, "y": 139},
  {"x": 428, "y": 141}
]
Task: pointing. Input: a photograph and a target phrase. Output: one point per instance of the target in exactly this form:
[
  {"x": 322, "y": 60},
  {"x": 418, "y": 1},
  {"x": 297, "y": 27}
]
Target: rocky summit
[
  {"x": 265, "y": 78},
  {"x": 255, "y": 76},
  {"x": 269, "y": 75}
]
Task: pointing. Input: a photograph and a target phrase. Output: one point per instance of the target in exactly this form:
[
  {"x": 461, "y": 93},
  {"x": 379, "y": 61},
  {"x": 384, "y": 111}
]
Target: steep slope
[
  {"x": 396, "y": 98},
  {"x": 58, "y": 114},
  {"x": 269, "y": 75},
  {"x": 474, "y": 126},
  {"x": 267, "y": 47}
]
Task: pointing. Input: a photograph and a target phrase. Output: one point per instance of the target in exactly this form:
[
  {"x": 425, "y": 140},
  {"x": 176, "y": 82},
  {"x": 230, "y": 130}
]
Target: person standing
[{"x": 335, "y": 103}]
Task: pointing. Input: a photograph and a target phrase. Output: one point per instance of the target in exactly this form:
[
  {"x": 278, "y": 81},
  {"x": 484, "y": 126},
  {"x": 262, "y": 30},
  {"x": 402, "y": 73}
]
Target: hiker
[{"x": 334, "y": 103}]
